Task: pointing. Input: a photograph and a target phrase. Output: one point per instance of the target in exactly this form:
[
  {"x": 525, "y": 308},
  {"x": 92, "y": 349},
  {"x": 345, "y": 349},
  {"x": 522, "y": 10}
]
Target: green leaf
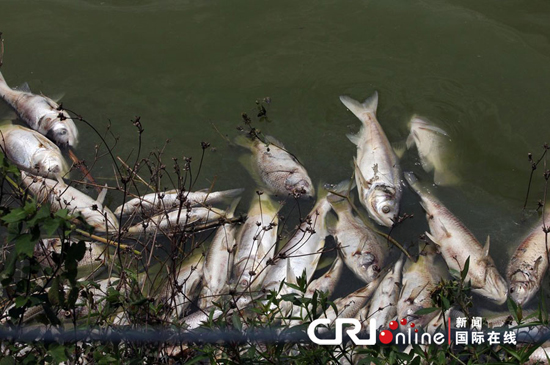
[
  {"x": 62, "y": 213},
  {"x": 235, "y": 318},
  {"x": 57, "y": 352},
  {"x": 54, "y": 292},
  {"x": 42, "y": 214},
  {"x": 464, "y": 271},
  {"x": 424, "y": 311},
  {"x": 51, "y": 225},
  {"x": 16, "y": 215},
  {"x": 25, "y": 243},
  {"x": 21, "y": 301}
]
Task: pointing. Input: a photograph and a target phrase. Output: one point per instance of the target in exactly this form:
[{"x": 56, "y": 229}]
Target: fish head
[
  {"x": 51, "y": 165},
  {"x": 299, "y": 186},
  {"x": 495, "y": 287},
  {"x": 64, "y": 131},
  {"x": 522, "y": 288},
  {"x": 369, "y": 266},
  {"x": 383, "y": 204}
]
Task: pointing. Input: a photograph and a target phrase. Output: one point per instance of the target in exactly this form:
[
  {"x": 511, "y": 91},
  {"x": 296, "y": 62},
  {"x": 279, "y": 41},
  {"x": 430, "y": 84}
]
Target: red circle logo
[
  {"x": 403, "y": 321},
  {"x": 385, "y": 337},
  {"x": 393, "y": 325},
  {"x": 412, "y": 325}
]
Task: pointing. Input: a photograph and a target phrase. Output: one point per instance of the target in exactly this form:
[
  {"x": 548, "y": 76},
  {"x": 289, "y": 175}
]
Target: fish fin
[
  {"x": 325, "y": 262},
  {"x": 426, "y": 164},
  {"x": 368, "y": 106},
  {"x": 5, "y": 122},
  {"x": 432, "y": 238},
  {"x": 230, "y": 211},
  {"x": 412, "y": 180},
  {"x": 410, "y": 140},
  {"x": 537, "y": 263},
  {"x": 340, "y": 192},
  {"x": 57, "y": 97},
  {"x": 24, "y": 87},
  {"x": 354, "y": 138},
  {"x": 399, "y": 148},
  {"x": 101, "y": 196},
  {"x": 246, "y": 161},
  {"x": 445, "y": 178},
  {"x": 486, "y": 247},
  {"x": 359, "y": 175},
  {"x": 290, "y": 276},
  {"x": 447, "y": 233},
  {"x": 244, "y": 141},
  {"x": 276, "y": 142}
]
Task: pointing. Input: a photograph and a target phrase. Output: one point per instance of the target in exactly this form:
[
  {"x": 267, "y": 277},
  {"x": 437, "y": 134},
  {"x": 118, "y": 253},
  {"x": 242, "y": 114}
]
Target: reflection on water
[{"x": 479, "y": 70}]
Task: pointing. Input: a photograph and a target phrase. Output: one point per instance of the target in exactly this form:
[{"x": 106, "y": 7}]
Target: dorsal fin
[
  {"x": 24, "y": 87},
  {"x": 274, "y": 141},
  {"x": 486, "y": 247},
  {"x": 101, "y": 195},
  {"x": 359, "y": 175}
]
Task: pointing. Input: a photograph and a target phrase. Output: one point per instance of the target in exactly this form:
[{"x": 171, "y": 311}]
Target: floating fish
[
  {"x": 362, "y": 249},
  {"x": 63, "y": 196},
  {"x": 167, "y": 201},
  {"x": 528, "y": 265},
  {"x": 218, "y": 264},
  {"x": 275, "y": 168},
  {"x": 457, "y": 244},
  {"x": 183, "y": 288},
  {"x": 419, "y": 280},
  {"x": 383, "y": 307},
  {"x": 41, "y": 114},
  {"x": 432, "y": 144},
  {"x": 377, "y": 170},
  {"x": 178, "y": 221},
  {"x": 303, "y": 250},
  {"x": 32, "y": 152},
  {"x": 256, "y": 243}
]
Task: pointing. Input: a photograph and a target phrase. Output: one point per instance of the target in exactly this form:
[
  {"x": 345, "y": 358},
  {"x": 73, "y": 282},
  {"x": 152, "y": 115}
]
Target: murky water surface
[{"x": 478, "y": 70}]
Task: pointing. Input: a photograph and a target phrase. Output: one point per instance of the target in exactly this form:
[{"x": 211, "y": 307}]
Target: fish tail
[
  {"x": 338, "y": 196},
  {"x": 244, "y": 141},
  {"x": 368, "y": 106}
]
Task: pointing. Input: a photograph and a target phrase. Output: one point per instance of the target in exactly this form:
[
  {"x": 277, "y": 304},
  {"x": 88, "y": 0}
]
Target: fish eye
[
  {"x": 62, "y": 132},
  {"x": 512, "y": 289},
  {"x": 385, "y": 209}
]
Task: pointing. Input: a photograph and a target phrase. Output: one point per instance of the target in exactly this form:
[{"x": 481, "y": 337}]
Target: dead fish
[
  {"x": 303, "y": 250},
  {"x": 256, "y": 243},
  {"x": 457, "y": 244},
  {"x": 383, "y": 307},
  {"x": 528, "y": 265},
  {"x": 432, "y": 144},
  {"x": 419, "y": 280},
  {"x": 32, "y": 152},
  {"x": 377, "y": 170},
  {"x": 63, "y": 196},
  {"x": 350, "y": 305},
  {"x": 41, "y": 114},
  {"x": 275, "y": 168},
  {"x": 218, "y": 264},
  {"x": 166, "y": 201},
  {"x": 183, "y": 288},
  {"x": 362, "y": 249},
  {"x": 178, "y": 221}
]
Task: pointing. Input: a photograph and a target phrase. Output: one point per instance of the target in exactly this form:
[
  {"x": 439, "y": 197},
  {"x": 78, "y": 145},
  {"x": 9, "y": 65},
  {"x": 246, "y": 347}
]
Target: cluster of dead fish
[{"x": 246, "y": 260}]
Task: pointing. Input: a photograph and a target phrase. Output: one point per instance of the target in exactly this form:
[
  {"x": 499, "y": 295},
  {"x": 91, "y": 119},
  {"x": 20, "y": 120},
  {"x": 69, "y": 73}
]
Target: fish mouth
[{"x": 495, "y": 288}]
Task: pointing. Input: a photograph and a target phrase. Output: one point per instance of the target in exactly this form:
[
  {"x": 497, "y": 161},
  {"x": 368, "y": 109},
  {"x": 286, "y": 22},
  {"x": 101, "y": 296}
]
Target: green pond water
[{"x": 479, "y": 70}]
